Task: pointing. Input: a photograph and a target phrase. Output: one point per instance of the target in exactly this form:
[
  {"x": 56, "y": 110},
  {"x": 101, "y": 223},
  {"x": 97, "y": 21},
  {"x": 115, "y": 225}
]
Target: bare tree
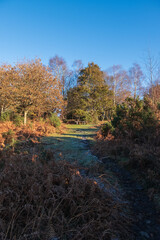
[
  {"x": 136, "y": 78},
  {"x": 60, "y": 71},
  {"x": 77, "y": 66},
  {"x": 152, "y": 66},
  {"x": 118, "y": 81}
]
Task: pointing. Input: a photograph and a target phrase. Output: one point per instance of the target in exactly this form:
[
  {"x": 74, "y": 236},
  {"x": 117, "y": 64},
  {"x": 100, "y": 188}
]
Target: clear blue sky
[{"x": 104, "y": 31}]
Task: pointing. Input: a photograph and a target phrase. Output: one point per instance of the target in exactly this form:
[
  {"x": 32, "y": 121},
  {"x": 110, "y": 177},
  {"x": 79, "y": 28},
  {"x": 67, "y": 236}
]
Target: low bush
[
  {"x": 9, "y": 132},
  {"x": 82, "y": 115},
  {"x": 8, "y": 137},
  {"x": 5, "y": 117},
  {"x": 133, "y": 119},
  {"x": 18, "y": 120},
  {"x": 54, "y": 120},
  {"x": 133, "y": 138},
  {"x": 107, "y": 128}
]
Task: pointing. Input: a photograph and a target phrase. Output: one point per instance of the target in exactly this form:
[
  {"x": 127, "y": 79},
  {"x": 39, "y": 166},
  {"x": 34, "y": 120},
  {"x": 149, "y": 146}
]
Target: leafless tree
[
  {"x": 76, "y": 66},
  {"x": 152, "y": 66},
  {"x": 152, "y": 69},
  {"x": 136, "y": 78},
  {"x": 60, "y": 71},
  {"x": 118, "y": 81}
]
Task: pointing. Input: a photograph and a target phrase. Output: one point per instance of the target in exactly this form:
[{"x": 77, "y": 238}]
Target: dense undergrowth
[
  {"x": 42, "y": 198},
  {"x": 43, "y": 201},
  {"x": 133, "y": 138},
  {"x": 10, "y": 133}
]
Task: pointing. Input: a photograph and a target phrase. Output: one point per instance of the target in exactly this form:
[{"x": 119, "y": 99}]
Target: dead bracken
[{"x": 52, "y": 200}]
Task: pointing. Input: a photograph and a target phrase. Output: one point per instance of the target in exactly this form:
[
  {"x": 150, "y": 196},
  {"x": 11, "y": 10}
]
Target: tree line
[{"x": 85, "y": 93}]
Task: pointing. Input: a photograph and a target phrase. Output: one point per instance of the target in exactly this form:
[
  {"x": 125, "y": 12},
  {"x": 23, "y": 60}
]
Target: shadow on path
[
  {"x": 146, "y": 224},
  {"x": 70, "y": 146},
  {"x": 75, "y": 146}
]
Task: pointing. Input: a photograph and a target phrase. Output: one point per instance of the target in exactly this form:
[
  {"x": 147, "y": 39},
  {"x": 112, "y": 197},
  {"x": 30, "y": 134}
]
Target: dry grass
[
  {"x": 41, "y": 198},
  {"x": 143, "y": 158},
  {"x": 8, "y": 131},
  {"x": 52, "y": 200}
]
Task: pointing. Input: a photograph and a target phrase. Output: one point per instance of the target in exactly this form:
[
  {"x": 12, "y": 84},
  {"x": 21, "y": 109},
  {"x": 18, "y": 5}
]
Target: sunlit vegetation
[
  {"x": 53, "y": 182},
  {"x": 29, "y": 88},
  {"x": 132, "y": 137}
]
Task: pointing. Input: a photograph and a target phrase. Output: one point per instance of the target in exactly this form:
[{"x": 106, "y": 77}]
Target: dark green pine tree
[{"x": 91, "y": 99}]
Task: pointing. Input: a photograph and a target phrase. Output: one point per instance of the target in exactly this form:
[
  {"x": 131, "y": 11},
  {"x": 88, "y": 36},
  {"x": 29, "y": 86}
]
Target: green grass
[{"x": 71, "y": 145}]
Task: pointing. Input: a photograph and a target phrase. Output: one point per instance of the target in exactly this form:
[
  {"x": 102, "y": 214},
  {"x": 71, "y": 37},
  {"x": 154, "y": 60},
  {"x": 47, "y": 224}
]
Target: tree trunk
[
  {"x": 2, "y": 110},
  {"x": 114, "y": 96},
  {"x": 25, "y": 117},
  {"x": 135, "y": 90}
]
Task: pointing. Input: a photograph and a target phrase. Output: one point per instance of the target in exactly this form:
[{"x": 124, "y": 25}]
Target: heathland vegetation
[{"x": 54, "y": 181}]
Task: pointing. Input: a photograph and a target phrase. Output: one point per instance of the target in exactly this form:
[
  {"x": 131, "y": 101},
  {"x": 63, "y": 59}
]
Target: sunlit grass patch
[{"x": 73, "y": 145}]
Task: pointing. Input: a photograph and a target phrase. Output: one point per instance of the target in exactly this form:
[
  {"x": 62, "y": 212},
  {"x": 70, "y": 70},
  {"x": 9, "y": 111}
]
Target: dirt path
[
  {"x": 75, "y": 145},
  {"x": 146, "y": 219},
  {"x": 71, "y": 145}
]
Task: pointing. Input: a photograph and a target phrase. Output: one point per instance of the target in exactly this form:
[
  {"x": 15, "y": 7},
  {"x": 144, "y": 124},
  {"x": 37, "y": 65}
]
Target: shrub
[
  {"x": 5, "y": 116},
  {"x": 82, "y": 115},
  {"x": 17, "y": 120},
  {"x": 134, "y": 119},
  {"x": 54, "y": 120},
  {"x": 158, "y": 106},
  {"x": 87, "y": 116},
  {"x": 41, "y": 120},
  {"x": 107, "y": 128},
  {"x": 9, "y": 137}
]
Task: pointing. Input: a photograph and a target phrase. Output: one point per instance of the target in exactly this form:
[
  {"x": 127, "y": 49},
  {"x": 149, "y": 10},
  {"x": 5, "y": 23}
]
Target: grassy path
[
  {"x": 73, "y": 145},
  {"x": 145, "y": 217}
]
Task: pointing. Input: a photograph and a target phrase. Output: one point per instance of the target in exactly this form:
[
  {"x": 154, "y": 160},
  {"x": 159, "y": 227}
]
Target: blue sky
[{"x": 106, "y": 32}]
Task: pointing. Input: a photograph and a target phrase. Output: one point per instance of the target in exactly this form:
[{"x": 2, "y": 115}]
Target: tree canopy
[
  {"x": 29, "y": 87},
  {"x": 91, "y": 98}
]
